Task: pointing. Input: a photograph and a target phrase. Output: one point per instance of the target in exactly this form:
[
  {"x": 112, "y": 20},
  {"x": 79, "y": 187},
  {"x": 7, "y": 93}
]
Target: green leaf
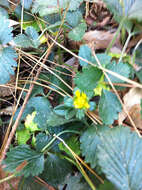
[
  {"x": 74, "y": 17},
  {"x": 19, "y": 154},
  {"x": 56, "y": 81},
  {"x": 109, "y": 107},
  {"x": 89, "y": 142},
  {"x": 3, "y": 13},
  {"x": 56, "y": 169},
  {"x": 22, "y": 136},
  {"x": 73, "y": 143},
  {"x": 27, "y": 4},
  {"x": 5, "y": 31},
  {"x": 103, "y": 58},
  {"x": 78, "y": 32},
  {"x": 60, "y": 110},
  {"x": 139, "y": 75},
  {"x": 75, "y": 183},
  {"x": 120, "y": 157},
  {"x": 106, "y": 186},
  {"x": 28, "y": 40},
  {"x": 7, "y": 62},
  {"x": 135, "y": 10},
  {"x": 87, "y": 80},
  {"x": 49, "y": 7},
  {"x": 80, "y": 114},
  {"x": 56, "y": 120},
  {"x": 1, "y": 122},
  {"x": 115, "y": 7},
  {"x": 42, "y": 140},
  {"x": 42, "y": 108},
  {"x": 30, "y": 124},
  {"x": 63, "y": 110},
  {"x": 85, "y": 53},
  {"x": 4, "y": 3},
  {"x": 73, "y": 4},
  {"x": 30, "y": 183},
  {"x": 121, "y": 69},
  {"x": 132, "y": 8},
  {"x": 26, "y": 16}
]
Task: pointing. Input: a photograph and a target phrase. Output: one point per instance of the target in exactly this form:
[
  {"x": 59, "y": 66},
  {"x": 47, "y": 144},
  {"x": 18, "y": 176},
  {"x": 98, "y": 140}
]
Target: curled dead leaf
[
  {"x": 135, "y": 115},
  {"x": 132, "y": 101}
]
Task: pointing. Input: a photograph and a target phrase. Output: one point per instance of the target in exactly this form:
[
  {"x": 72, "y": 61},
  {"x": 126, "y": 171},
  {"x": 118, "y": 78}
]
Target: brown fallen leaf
[
  {"x": 100, "y": 38},
  {"x": 5, "y": 90},
  {"x": 135, "y": 113},
  {"x": 132, "y": 101},
  {"x": 8, "y": 184}
]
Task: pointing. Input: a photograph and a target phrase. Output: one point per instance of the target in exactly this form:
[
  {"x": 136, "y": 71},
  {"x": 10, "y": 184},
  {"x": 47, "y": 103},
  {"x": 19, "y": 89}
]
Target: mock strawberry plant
[{"x": 64, "y": 131}]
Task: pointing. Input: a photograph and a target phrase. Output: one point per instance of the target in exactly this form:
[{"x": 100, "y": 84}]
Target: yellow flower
[
  {"x": 81, "y": 100},
  {"x": 101, "y": 85}
]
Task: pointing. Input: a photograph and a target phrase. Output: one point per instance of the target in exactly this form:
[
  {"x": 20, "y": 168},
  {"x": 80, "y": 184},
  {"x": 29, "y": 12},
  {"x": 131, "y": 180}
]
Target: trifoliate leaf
[
  {"x": 26, "y": 3},
  {"x": 85, "y": 53},
  {"x": 28, "y": 40},
  {"x": 49, "y": 7},
  {"x": 121, "y": 69},
  {"x": 56, "y": 169},
  {"x": 120, "y": 157},
  {"x": 19, "y": 154},
  {"x": 7, "y": 62},
  {"x": 5, "y": 31},
  {"x": 73, "y": 143},
  {"x": 78, "y": 32},
  {"x": 87, "y": 80},
  {"x": 22, "y": 136},
  {"x": 74, "y": 17},
  {"x": 89, "y": 142},
  {"x": 109, "y": 107},
  {"x": 75, "y": 183}
]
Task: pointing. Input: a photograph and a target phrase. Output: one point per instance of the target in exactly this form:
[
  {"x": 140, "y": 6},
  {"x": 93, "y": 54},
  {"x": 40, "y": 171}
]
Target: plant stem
[
  {"x": 7, "y": 178},
  {"x": 125, "y": 46},
  {"x": 115, "y": 36},
  {"x": 55, "y": 137}
]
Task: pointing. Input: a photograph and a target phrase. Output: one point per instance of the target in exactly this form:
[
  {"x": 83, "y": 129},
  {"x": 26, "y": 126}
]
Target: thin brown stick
[
  {"x": 2, "y": 156},
  {"x": 6, "y": 146}
]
